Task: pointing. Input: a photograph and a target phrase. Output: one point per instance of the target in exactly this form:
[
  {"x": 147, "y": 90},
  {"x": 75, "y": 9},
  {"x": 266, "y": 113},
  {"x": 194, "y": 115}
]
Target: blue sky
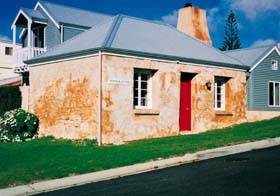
[{"x": 258, "y": 19}]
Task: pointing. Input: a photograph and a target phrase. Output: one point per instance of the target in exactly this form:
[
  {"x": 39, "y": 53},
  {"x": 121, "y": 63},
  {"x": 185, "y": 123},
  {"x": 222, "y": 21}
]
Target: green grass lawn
[{"x": 48, "y": 158}]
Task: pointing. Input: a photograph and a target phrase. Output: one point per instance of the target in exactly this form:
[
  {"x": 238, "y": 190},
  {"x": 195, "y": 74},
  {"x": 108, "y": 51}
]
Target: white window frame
[
  {"x": 274, "y": 95},
  {"x": 223, "y": 93},
  {"x": 274, "y": 65},
  {"x": 149, "y": 89}
]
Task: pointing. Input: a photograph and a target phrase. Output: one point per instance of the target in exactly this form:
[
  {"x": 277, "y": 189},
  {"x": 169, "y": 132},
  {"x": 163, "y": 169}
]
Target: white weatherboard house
[{"x": 7, "y": 75}]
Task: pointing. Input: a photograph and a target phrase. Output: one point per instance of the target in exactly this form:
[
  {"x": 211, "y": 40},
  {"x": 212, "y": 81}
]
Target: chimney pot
[{"x": 188, "y": 5}]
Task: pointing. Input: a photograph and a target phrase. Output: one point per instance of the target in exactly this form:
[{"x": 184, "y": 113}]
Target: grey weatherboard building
[{"x": 264, "y": 69}]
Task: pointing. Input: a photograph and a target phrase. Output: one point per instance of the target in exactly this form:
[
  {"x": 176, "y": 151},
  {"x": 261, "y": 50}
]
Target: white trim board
[
  {"x": 52, "y": 19},
  {"x": 261, "y": 60}
]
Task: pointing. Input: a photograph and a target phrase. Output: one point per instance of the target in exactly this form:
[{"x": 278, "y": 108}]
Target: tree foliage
[
  {"x": 10, "y": 97},
  {"x": 231, "y": 38}
]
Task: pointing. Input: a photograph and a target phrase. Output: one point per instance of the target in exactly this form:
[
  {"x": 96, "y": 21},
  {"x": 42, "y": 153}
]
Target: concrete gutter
[{"x": 67, "y": 182}]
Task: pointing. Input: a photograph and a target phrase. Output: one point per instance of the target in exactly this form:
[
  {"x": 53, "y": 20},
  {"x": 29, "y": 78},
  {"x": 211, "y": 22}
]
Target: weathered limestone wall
[
  {"x": 121, "y": 122},
  {"x": 261, "y": 115},
  {"x": 64, "y": 96}
]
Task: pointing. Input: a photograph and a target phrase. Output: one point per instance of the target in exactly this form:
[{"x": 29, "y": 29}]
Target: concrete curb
[{"x": 67, "y": 182}]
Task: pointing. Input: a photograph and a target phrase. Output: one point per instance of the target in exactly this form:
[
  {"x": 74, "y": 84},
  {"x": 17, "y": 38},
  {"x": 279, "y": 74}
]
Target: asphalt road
[{"x": 251, "y": 173}]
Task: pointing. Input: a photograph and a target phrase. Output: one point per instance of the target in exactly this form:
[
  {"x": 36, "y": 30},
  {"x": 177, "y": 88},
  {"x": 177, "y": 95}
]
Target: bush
[
  {"x": 10, "y": 97},
  {"x": 18, "y": 125}
]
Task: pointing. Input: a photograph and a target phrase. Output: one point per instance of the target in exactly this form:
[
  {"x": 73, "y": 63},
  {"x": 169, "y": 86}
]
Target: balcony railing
[{"x": 24, "y": 54}]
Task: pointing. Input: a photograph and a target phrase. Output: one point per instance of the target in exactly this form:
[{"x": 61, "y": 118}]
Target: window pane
[
  {"x": 135, "y": 84},
  {"x": 277, "y": 94},
  {"x": 143, "y": 102},
  {"x": 135, "y": 76},
  {"x": 144, "y": 85},
  {"x": 218, "y": 97},
  {"x": 8, "y": 51},
  {"x": 219, "y": 104},
  {"x": 218, "y": 90},
  {"x": 135, "y": 103},
  {"x": 144, "y": 94},
  {"x": 144, "y": 77},
  {"x": 271, "y": 93}
]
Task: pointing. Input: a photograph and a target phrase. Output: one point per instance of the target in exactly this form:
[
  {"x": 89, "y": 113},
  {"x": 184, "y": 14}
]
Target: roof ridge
[
  {"x": 112, "y": 31},
  {"x": 84, "y": 10},
  {"x": 250, "y": 48}
]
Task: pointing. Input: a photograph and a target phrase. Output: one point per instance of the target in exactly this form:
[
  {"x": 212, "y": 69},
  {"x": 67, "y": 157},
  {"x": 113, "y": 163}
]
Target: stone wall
[
  {"x": 253, "y": 116},
  {"x": 65, "y": 96},
  {"x": 121, "y": 122}
]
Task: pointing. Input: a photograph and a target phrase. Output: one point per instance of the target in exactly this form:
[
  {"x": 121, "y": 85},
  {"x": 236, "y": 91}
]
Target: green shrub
[
  {"x": 10, "y": 97},
  {"x": 18, "y": 125}
]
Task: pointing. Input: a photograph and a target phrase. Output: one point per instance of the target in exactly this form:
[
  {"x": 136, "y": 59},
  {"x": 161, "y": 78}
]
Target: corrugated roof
[
  {"x": 70, "y": 15},
  {"x": 250, "y": 56},
  {"x": 33, "y": 14},
  {"x": 138, "y": 35}
]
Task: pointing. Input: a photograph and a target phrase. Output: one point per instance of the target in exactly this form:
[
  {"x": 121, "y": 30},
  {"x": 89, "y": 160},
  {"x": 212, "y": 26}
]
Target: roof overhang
[
  {"x": 175, "y": 59},
  {"x": 275, "y": 48}
]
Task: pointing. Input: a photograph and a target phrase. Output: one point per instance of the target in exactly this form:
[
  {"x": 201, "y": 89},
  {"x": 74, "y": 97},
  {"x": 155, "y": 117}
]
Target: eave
[{"x": 136, "y": 54}]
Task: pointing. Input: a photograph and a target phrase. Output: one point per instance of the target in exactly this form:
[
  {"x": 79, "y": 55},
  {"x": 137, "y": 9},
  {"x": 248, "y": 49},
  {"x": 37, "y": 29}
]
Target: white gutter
[{"x": 99, "y": 139}]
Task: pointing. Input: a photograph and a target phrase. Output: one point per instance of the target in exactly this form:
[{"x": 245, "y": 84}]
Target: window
[
  {"x": 219, "y": 93},
  {"x": 38, "y": 37},
  {"x": 274, "y": 65},
  {"x": 274, "y": 94},
  {"x": 9, "y": 51},
  {"x": 142, "y": 89}
]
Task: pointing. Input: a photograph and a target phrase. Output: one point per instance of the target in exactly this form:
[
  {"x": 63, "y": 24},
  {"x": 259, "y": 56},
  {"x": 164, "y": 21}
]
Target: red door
[{"x": 185, "y": 102}]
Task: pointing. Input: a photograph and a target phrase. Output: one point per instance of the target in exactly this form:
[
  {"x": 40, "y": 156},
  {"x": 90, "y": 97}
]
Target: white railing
[{"x": 23, "y": 54}]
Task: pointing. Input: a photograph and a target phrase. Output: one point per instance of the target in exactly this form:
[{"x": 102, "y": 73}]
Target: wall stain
[{"x": 70, "y": 104}]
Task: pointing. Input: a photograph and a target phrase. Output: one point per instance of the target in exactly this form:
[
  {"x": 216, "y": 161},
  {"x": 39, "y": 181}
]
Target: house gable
[
  {"x": 258, "y": 82},
  {"x": 262, "y": 58}
]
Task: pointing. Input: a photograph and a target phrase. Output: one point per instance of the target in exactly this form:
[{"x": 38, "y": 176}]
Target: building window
[
  {"x": 274, "y": 94},
  {"x": 274, "y": 65},
  {"x": 219, "y": 93},
  {"x": 9, "y": 51},
  {"x": 142, "y": 89}
]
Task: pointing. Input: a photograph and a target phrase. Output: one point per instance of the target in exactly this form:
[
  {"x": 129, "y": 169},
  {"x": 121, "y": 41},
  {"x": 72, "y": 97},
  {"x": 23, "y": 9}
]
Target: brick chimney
[{"x": 192, "y": 21}]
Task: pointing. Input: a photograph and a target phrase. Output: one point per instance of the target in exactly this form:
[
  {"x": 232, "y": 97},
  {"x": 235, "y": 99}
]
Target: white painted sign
[{"x": 118, "y": 82}]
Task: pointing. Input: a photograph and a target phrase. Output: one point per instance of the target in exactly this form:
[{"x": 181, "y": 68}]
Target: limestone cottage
[{"x": 122, "y": 78}]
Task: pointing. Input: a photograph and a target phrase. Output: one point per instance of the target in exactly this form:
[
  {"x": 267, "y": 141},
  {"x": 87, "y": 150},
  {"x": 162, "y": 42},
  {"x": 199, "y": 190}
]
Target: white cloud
[
  {"x": 252, "y": 8},
  {"x": 262, "y": 42},
  {"x": 213, "y": 19},
  {"x": 4, "y": 37},
  {"x": 170, "y": 18}
]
